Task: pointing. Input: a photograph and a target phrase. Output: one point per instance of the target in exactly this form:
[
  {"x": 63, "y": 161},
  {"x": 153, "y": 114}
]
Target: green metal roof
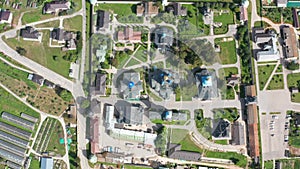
[{"x": 293, "y": 4}]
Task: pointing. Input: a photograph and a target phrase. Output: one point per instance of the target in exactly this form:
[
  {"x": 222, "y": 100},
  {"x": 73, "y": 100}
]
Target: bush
[
  {"x": 66, "y": 95},
  {"x": 292, "y": 66},
  {"x": 21, "y": 50}
]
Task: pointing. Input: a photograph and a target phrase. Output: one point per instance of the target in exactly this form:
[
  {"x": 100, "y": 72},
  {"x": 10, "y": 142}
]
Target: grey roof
[
  {"x": 13, "y": 139},
  {"x": 131, "y": 114},
  {"x": 11, "y": 157},
  {"x": 177, "y": 9},
  {"x": 100, "y": 84},
  {"x": 12, "y": 148},
  {"x": 206, "y": 92},
  {"x": 49, "y": 84},
  {"x": 60, "y": 34},
  {"x": 46, "y": 163},
  {"x": 221, "y": 129},
  {"x": 4, "y": 15},
  {"x": 153, "y": 115},
  {"x": 284, "y": 2},
  {"x": 30, "y": 33},
  {"x": 175, "y": 152},
  {"x": 17, "y": 131},
  {"x": 164, "y": 81},
  {"x": 238, "y": 133},
  {"x": 36, "y": 78},
  {"x": 13, "y": 165},
  {"x": 102, "y": 19},
  {"x": 163, "y": 37},
  {"x": 56, "y": 5},
  {"x": 131, "y": 85},
  {"x": 18, "y": 120}
]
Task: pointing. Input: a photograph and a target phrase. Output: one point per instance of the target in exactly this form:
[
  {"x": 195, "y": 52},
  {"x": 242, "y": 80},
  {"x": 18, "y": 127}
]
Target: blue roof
[
  {"x": 206, "y": 81},
  {"x": 131, "y": 85},
  {"x": 47, "y": 163}
]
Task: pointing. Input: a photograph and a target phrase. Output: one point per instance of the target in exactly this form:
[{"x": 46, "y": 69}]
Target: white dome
[
  {"x": 93, "y": 2},
  {"x": 245, "y": 3}
]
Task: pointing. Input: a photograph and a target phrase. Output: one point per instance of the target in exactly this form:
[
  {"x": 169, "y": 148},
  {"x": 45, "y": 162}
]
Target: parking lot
[{"x": 273, "y": 133}]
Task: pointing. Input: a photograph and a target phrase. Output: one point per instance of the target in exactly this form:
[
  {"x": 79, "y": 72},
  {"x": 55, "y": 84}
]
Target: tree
[
  {"x": 85, "y": 104},
  {"x": 66, "y": 95},
  {"x": 292, "y": 66},
  {"x": 55, "y": 57},
  {"x": 21, "y": 50}
]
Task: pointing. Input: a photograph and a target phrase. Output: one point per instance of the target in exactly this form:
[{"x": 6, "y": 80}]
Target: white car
[{"x": 286, "y": 138}]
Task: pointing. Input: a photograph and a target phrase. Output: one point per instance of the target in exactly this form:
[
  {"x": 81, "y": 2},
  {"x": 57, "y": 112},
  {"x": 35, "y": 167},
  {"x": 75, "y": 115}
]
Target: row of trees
[{"x": 245, "y": 53}]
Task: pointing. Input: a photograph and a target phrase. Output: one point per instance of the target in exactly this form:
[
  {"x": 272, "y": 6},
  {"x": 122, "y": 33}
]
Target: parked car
[{"x": 286, "y": 138}]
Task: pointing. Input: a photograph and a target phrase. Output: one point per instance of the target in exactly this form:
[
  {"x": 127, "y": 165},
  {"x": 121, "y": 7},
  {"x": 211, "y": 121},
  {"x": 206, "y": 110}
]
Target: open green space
[
  {"x": 226, "y": 19},
  {"x": 230, "y": 114},
  {"x": 9, "y": 103},
  {"x": 238, "y": 159},
  {"x": 223, "y": 142},
  {"x": 141, "y": 54},
  {"x": 45, "y": 99},
  {"x": 188, "y": 92},
  {"x": 125, "y": 12},
  {"x": 294, "y": 138},
  {"x": 269, "y": 164},
  {"x": 276, "y": 82},
  {"x": 290, "y": 163},
  {"x": 195, "y": 25},
  {"x": 159, "y": 65},
  {"x": 228, "y": 51},
  {"x": 35, "y": 163},
  {"x": 203, "y": 125},
  {"x": 274, "y": 14},
  {"x": 177, "y": 135},
  {"x": 279, "y": 69},
  {"x": 227, "y": 93},
  {"x": 293, "y": 80},
  {"x": 54, "y": 144},
  {"x": 132, "y": 62},
  {"x": 227, "y": 72},
  {"x": 43, "y": 54},
  {"x": 52, "y": 24},
  {"x": 120, "y": 59},
  {"x": 264, "y": 73},
  {"x": 261, "y": 24},
  {"x": 73, "y": 24},
  {"x": 296, "y": 97},
  {"x": 34, "y": 16}
]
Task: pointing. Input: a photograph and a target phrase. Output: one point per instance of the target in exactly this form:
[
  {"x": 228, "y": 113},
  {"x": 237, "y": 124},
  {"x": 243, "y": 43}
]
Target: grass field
[
  {"x": 293, "y": 79},
  {"x": 227, "y": 72},
  {"x": 223, "y": 142},
  {"x": 34, "y": 16},
  {"x": 43, "y": 54},
  {"x": 177, "y": 135},
  {"x": 238, "y": 159},
  {"x": 54, "y": 145},
  {"x": 35, "y": 163},
  {"x": 188, "y": 92},
  {"x": 119, "y": 9},
  {"x": 268, "y": 164},
  {"x": 226, "y": 19},
  {"x": 73, "y": 24},
  {"x": 227, "y": 93},
  {"x": 290, "y": 163},
  {"x": 228, "y": 51},
  {"x": 141, "y": 54},
  {"x": 159, "y": 65},
  {"x": 276, "y": 82},
  {"x": 43, "y": 98},
  {"x": 132, "y": 62},
  {"x": 10, "y": 104},
  {"x": 264, "y": 73},
  {"x": 52, "y": 24}
]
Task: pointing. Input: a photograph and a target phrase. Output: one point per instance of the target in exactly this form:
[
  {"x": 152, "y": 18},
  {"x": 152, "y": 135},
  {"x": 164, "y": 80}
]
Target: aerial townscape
[{"x": 162, "y": 84}]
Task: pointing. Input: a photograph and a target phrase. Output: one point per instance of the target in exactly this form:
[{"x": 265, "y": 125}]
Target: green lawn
[
  {"x": 73, "y": 24},
  {"x": 290, "y": 163},
  {"x": 52, "y": 24},
  {"x": 132, "y": 62},
  {"x": 125, "y": 12},
  {"x": 276, "y": 82},
  {"x": 293, "y": 79},
  {"x": 10, "y": 104},
  {"x": 35, "y": 163},
  {"x": 223, "y": 142},
  {"x": 159, "y": 64},
  {"x": 203, "y": 124},
  {"x": 227, "y": 93},
  {"x": 122, "y": 60},
  {"x": 226, "y": 19},
  {"x": 296, "y": 97},
  {"x": 177, "y": 135},
  {"x": 187, "y": 144},
  {"x": 188, "y": 92},
  {"x": 228, "y": 51},
  {"x": 268, "y": 164},
  {"x": 196, "y": 24},
  {"x": 238, "y": 159},
  {"x": 230, "y": 114},
  {"x": 43, "y": 54},
  {"x": 141, "y": 54},
  {"x": 227, "y": 72},
  {"x": 279, "y": 69},
  {"x": 34, "y": 16},
  {"x": 264, "y": 73},
  {"x": 261, "y": 24}
]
